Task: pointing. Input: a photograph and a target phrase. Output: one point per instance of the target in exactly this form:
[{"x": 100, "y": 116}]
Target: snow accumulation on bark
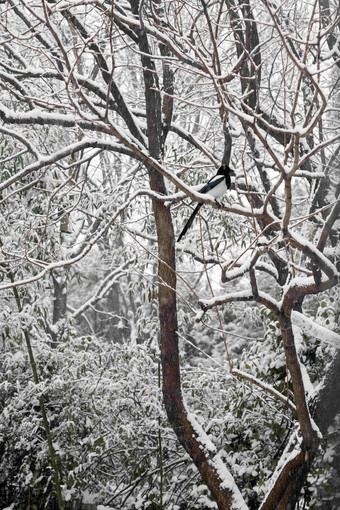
[
  {"x": 315, "y": 330},
  {"x": 216, "y": 461}
]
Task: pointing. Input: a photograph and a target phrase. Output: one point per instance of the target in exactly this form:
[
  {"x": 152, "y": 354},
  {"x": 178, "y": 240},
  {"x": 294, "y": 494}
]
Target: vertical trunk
[
  {"x": 285, "y": 493},
  {"x": 54, "y": 459},
  {"x": 172, "y": 392},
  {"x": 59, "y": 279}
]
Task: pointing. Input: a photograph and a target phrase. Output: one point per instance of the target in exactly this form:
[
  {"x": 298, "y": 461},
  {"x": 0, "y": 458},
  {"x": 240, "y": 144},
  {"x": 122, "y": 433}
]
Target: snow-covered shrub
[{"x": 111, "y": 435}]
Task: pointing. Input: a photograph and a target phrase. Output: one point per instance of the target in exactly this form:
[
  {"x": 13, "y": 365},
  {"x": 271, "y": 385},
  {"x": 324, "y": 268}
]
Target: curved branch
[
  {"x": 314, "y": 254},
  {"x": 266, "y": 387},
  {"x": 326, "y": 231}
]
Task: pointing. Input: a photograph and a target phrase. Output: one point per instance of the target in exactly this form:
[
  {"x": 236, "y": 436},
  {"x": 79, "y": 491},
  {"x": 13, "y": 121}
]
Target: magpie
[{"x": 216, "y": 187}]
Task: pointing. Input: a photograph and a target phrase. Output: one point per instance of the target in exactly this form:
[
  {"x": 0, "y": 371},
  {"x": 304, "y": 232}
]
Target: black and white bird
[{"x": 216, "y": 187}]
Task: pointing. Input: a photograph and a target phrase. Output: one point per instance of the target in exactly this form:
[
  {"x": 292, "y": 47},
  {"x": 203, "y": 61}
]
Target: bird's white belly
[{"x": 219, "y": 190}]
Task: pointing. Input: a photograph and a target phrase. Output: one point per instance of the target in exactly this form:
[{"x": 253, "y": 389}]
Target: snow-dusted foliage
[
  {"x": 141, "y": 373},
  {"x": 111, "y": 435}
]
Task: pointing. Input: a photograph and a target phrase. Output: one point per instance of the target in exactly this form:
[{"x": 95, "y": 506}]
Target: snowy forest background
[{"x": 141, "y": 373}]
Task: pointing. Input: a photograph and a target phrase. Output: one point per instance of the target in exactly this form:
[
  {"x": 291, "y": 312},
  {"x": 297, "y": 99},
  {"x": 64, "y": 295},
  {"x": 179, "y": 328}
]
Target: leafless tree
[{"x": 252, "y": 84}]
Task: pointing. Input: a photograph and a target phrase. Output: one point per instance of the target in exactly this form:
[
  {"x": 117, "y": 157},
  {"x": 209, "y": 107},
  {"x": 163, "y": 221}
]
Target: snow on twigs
[{"x": 312, "y": 329}]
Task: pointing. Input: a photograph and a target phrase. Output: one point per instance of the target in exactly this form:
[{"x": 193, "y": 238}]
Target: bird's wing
[{"x": 214, "y": 181}]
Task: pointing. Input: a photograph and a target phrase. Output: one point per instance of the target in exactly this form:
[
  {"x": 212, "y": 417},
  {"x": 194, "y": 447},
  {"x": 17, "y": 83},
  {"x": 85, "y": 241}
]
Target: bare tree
[{"x": 176, "y": 87}]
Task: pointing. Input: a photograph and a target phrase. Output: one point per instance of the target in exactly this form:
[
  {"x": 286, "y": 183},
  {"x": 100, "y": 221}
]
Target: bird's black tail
[{"x": 189, "y": 222}]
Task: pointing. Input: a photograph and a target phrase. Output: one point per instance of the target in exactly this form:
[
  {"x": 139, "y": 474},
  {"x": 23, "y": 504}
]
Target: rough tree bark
[
  {"x": 86, "y": 109},
  {"x": 167, "y": 301}
]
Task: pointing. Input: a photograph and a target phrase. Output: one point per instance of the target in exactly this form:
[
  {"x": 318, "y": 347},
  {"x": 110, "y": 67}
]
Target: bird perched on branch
[{"x": 216, "y": 187}]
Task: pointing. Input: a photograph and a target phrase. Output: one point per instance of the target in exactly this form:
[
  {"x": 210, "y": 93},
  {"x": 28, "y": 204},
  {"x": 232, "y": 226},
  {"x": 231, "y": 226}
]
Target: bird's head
[{"x": 225, "y": 170}]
